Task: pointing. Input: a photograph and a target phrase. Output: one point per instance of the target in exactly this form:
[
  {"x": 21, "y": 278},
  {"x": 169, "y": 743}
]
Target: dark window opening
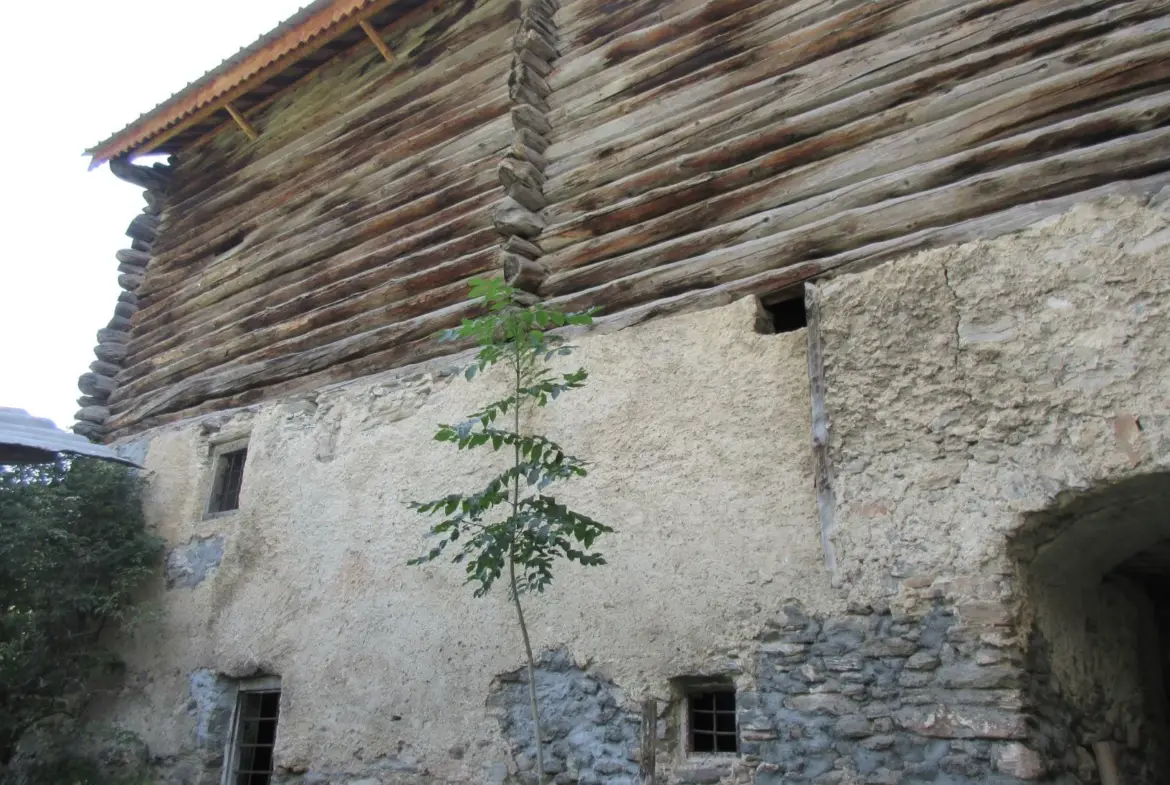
[
  {"x": 229, "y": 476},
  {"x": 787, "y": 315},
  {"x": 712, "y": 722},
  {"x": 255, "y": 737}
]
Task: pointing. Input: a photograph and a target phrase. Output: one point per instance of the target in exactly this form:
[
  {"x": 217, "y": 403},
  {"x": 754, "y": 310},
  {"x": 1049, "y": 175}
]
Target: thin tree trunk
[
  {"x": 531, "y": 675},
  {"x": 512, "y": 574}
]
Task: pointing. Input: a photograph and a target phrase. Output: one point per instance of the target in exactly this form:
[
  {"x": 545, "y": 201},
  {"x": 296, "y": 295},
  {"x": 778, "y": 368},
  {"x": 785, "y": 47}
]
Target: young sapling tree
[{"x": 514, "y": 523}]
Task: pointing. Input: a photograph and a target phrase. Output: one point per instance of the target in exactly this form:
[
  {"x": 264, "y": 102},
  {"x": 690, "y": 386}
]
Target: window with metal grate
[
  {"x": 254, "y": 736},
  {"x": 229, "y": 476},
  {"x": 711, "y": 721}
]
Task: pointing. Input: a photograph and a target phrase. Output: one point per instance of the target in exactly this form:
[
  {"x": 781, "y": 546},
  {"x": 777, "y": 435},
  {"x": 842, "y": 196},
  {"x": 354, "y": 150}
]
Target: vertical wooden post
[
  {"x": 649, "y": 741},
  {"x": 822, "y": 468},
  {"x": 1107, "y": 763}
]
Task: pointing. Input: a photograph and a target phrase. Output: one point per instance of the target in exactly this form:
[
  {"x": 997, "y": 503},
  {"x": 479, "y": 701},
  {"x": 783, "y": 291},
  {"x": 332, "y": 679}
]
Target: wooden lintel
[
  {"x": 244, "y": 125},
  {"x": 372, "y": 34}
]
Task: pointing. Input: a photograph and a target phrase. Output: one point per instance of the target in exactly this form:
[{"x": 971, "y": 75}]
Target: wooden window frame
[
  {"x": 219, "y": 452},
  {"x": 231, "y": 753}
]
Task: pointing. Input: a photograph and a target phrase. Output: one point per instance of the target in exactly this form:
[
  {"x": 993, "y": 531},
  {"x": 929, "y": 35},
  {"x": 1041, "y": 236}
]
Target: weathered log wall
[
  {"x": 734, "y": 146},
  {"x": 343, "y": 237},
  {"x": 645, "y": 157}
]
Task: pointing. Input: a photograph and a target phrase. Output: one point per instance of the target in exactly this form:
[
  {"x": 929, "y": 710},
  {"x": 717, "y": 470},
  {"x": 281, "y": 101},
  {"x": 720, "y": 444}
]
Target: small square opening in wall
[
  {"x": 787, "y": 315},
  {"x": 228, "y": 479},
  {"x": 253, "y": 739},
  {"x": 711, "y": 723}
]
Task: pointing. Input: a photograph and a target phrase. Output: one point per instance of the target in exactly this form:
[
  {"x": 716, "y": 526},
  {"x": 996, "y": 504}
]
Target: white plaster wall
[
  {"x": 972, "y": 384},
  {"x": 699, "y": 432}
]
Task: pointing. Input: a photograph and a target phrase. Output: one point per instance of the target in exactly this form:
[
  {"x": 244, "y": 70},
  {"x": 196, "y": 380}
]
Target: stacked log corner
[
  {"x": 522, "y": 171},
  {"x": 98, "y": 384}
]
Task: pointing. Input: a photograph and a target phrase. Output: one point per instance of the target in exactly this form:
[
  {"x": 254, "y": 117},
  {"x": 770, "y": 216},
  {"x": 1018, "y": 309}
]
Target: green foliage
[
  {"x": 73, "y": 550},
  {"x": 513, "y": 519}
]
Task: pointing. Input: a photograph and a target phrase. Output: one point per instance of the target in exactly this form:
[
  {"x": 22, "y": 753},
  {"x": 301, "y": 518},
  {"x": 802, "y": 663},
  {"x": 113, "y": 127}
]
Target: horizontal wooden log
[
  {"x": 527, "y": 117},
  {"x": 718, "y": 139},
  {"x": 420, "y": 354},
  {"x": 522, "y": 94},
  {"x": 89, "y": 430},
  {"x": 751, "y": 105},
  {"x": 155, "y": 201},
  {"x": 1133, "y": 157},
  {"x": 309, "y": 329},
  {"x": 110, "y": 352},
  {"x": 152, "y": 178},
  {"x": 651, "y": 218},
  {"x": 514, "y": 171},
  {"x": 523, "y": 152},
  {"x": 143, "y": 228},
  {"x": 982, "y": 228},
  {"x": 274, "y": 292},
  {"x": 129, "y": 281},
  {"x": 530, "y": 138},
  {"x": 523, "y": 273},
  {"x": 530, "y": 198},
  {"x": 104, "y": 368},
  {"x": 120, "y": 323},
  {"x": 398, "y": 201},
  {"x": 130, "y": 256},
  {"x": 399, "y": 114},
  {"x": 237, "y": 377},
  {"x": 406, "y": 227},
  {"x": 96, "y": 385},
  {"x": 513, "y": 218},
  {"x": 94, "y": 414},
  {"x": 85, "y": 400},
  {"x": 128, "y": 298},
  {"x": 518, "y": 245},
  {"x": 106, "y": 335},
  {"x": 539, "y": 44},
  {"x": 523, "y": 75},
  {"x": 140, "y": 245},
  {"x": 539, "y": 65}
]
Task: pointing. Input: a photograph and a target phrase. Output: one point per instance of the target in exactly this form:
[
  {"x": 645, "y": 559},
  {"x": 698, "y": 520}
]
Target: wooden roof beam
[
  {"x": 376, "y": 39},
  {"x": 248, "y": 129}
]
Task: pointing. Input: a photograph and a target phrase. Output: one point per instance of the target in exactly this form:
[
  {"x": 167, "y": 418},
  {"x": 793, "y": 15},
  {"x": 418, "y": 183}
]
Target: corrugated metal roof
[
  {"x": 305, "y": 31},
  {"x": 28, "y": 439}
]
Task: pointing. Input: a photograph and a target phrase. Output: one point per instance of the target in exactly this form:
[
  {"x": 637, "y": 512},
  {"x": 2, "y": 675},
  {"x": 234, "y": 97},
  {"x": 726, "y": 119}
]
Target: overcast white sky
[{"x": 70, "y": 78}]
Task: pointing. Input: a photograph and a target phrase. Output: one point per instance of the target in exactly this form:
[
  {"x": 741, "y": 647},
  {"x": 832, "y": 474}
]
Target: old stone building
[{"x": 879, "y": 407}]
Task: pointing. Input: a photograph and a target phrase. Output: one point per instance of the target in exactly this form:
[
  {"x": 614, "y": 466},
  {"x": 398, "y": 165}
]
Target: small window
[
  {"x": 229, "y": 476},
  {"x": 711, "y": 721},
  {"x": 787, "y": 315},
  {"x": 254, "y": 733}
]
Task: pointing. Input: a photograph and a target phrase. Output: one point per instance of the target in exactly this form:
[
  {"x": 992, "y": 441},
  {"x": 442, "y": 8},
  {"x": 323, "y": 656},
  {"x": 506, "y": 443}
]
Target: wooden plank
[
  {"x": 648, "y": 742},
  {"x": 822, "y": 465}
]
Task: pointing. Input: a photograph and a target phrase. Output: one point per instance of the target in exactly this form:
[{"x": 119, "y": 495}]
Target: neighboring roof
[
  {"x": 28, "y": 439},
  {"x": 308, "y": 30}
]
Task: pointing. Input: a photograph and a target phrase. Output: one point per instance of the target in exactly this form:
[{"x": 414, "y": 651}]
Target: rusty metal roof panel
[{"x": 305, "y": 31}]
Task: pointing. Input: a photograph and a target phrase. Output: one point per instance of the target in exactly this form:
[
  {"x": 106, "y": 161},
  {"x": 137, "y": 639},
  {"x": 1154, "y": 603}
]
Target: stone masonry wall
[{"x": 885, "y": 698}]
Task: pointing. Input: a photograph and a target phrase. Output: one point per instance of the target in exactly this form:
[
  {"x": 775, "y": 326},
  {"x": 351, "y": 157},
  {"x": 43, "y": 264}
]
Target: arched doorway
[{"x": 1094, "y": 575}]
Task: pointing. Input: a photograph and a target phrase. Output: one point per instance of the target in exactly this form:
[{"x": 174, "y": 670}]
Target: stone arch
[{"x": 1094, "y": 584}]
